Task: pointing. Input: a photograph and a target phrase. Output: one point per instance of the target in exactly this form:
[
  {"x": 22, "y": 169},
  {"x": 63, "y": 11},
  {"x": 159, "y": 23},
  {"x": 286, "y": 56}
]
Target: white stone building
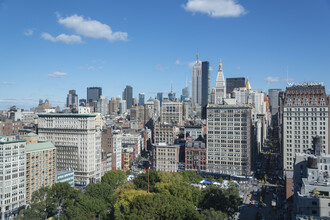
[
  {"x": 12, "y": 175},
  {"x": 77, "y": 138}
]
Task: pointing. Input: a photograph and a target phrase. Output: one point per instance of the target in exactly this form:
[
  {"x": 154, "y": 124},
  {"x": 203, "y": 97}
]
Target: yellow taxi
[{"x": 250, "y": 195}]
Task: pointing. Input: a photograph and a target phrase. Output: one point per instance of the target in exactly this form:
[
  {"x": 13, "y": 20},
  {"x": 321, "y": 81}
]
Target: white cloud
[
  {"x": 68, "y": 39},
  {"x": 210, "y": 69},
  {"x": 8, "y": 83},
  {"x": 91, "y": 68},
  {"x": 91, "y": 28},
  {"x": 28, "y": 32},
  {"x": 161, "y": 68},
  {"x": 178, "y": 62},
  {"x": 57, "y": 75},
  {"x": 287, "y": 79},
  {"x": 216, "y": 8},
  {"x": 270, "y": 79}
]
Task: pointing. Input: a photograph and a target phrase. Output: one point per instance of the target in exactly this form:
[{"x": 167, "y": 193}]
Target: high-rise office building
[
  {"x": 305, "y": 115},
  {"x": 72, "y": 99},
  {"x": 93, "y": 93},
  {"x": 160, "y": 98},
  {"x": 185, "y": 93},
  {"x": 141, "y": 99},
  {"x": 200, "y": 84},
  {"x": 102, "y": 106},
  {"x": 12, "y": 177},
  {"x": 113, "y": 107},
  {"x": 171, "y": 96},
  {"x": 229, "y": 139},
  {"x": 77, "y": 138},
  {"x": 220, "y": 88},
  {"x": 274, "y": 104},
  {"x": 128, "y": 96},
  {"x": 233, "y": 83}
]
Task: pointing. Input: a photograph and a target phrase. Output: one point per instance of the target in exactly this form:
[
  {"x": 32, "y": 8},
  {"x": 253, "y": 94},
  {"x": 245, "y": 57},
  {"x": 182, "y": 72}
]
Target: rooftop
[
  {"x": 31, "y": 134},
  {"x": 64, "y": 115},
  {"x": 39, "y": 146}
]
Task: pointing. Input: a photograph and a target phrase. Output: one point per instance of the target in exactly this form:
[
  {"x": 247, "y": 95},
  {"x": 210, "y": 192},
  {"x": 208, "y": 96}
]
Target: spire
[
  {"x": 247, "y": 85},
  {"x": 197, "y": 56},
  {"x": 220, "y": 66}
]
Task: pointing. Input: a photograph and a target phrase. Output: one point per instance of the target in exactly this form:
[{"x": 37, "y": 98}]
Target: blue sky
[{"x": 50, "y": 47}]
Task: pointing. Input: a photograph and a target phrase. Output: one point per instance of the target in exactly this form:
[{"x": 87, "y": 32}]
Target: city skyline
[{"x": 48, "y": 50}]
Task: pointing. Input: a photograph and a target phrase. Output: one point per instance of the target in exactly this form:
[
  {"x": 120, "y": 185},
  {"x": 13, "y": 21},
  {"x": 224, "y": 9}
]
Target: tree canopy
[{"x": 171, "y": 196}]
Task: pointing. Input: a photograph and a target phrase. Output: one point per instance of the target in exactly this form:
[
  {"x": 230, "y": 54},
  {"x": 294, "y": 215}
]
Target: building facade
[
  {"x": 305, "y": 115},
  {"x": 171, "y": 112},
  {"x": 65, "y": 176},
  {"x": 311, "y": 186},
  {"x": 128, "y": 96},
  {"x": 77, "y": 138},
  {"x": 165, "y": 157},
  {"x": 229, "y": 139},
  {"x": 12, "y": 175},
  {"x": 40, "y": 167},
  {"x": 200, "y": 83},
  {"x": 195, "y": 156},
  {"x": 164, "y": 133},
  {"x": 72, "y": 99},
  {"x": 93, "y": 93},
  {"x": 232, "y": 83}
]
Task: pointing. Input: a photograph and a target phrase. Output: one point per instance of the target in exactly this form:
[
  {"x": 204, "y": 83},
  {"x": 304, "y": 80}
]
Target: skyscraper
[
  {"x": 220, "y": 88},
  {"x": 274, "y": 103},
  {"x": 232, "y": 83},
  {"x": 200, "y": 84},
  {"x": 128, "y": 96},
  {"x": 93, "y": 93},
  {"x": 160, "y": 97},
  {"x": 72, "y": 99},
  {"x": 141, "y": 98},
  {"x": 185, "y": 93}
]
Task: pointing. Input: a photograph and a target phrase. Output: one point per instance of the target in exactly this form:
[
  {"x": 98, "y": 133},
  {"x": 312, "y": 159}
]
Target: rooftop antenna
[{"x": 197, "y": 56}]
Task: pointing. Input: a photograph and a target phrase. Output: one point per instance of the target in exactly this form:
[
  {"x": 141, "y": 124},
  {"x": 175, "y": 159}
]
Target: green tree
[
  {"x": 63, "y": 195},
  {"x": 160, "y": 206},
  {"x": 141, "y": 181},
  {"x": 224, "y": 200},
  {"x": 100, "y": 191},
  {"x": 122, "y": 206},
  {"x": 210, "y": 178},
  {"x": 180, "y": 190},
  {"x": 211, "y": 214},
  {"x": 190, "y": 176},
  {"x": 42, "y": 205},
  {"x": 114, "y": 178}
]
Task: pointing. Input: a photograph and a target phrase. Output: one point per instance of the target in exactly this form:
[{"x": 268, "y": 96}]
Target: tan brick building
[{"x": 40, "y": 167}]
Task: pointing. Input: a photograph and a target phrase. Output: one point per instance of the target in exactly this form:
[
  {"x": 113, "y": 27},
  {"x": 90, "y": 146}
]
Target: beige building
[
  {"x": 165, "y": 157},
  {"x": 31, "y": 138},
  {"x": 164, "y": 133},
  {"x": 171, "y": 113},
  {"x": 40, "y": 167}
]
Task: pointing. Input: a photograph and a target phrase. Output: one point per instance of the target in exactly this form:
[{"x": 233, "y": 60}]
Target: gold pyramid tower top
[{"x": 247, "y": 85}]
